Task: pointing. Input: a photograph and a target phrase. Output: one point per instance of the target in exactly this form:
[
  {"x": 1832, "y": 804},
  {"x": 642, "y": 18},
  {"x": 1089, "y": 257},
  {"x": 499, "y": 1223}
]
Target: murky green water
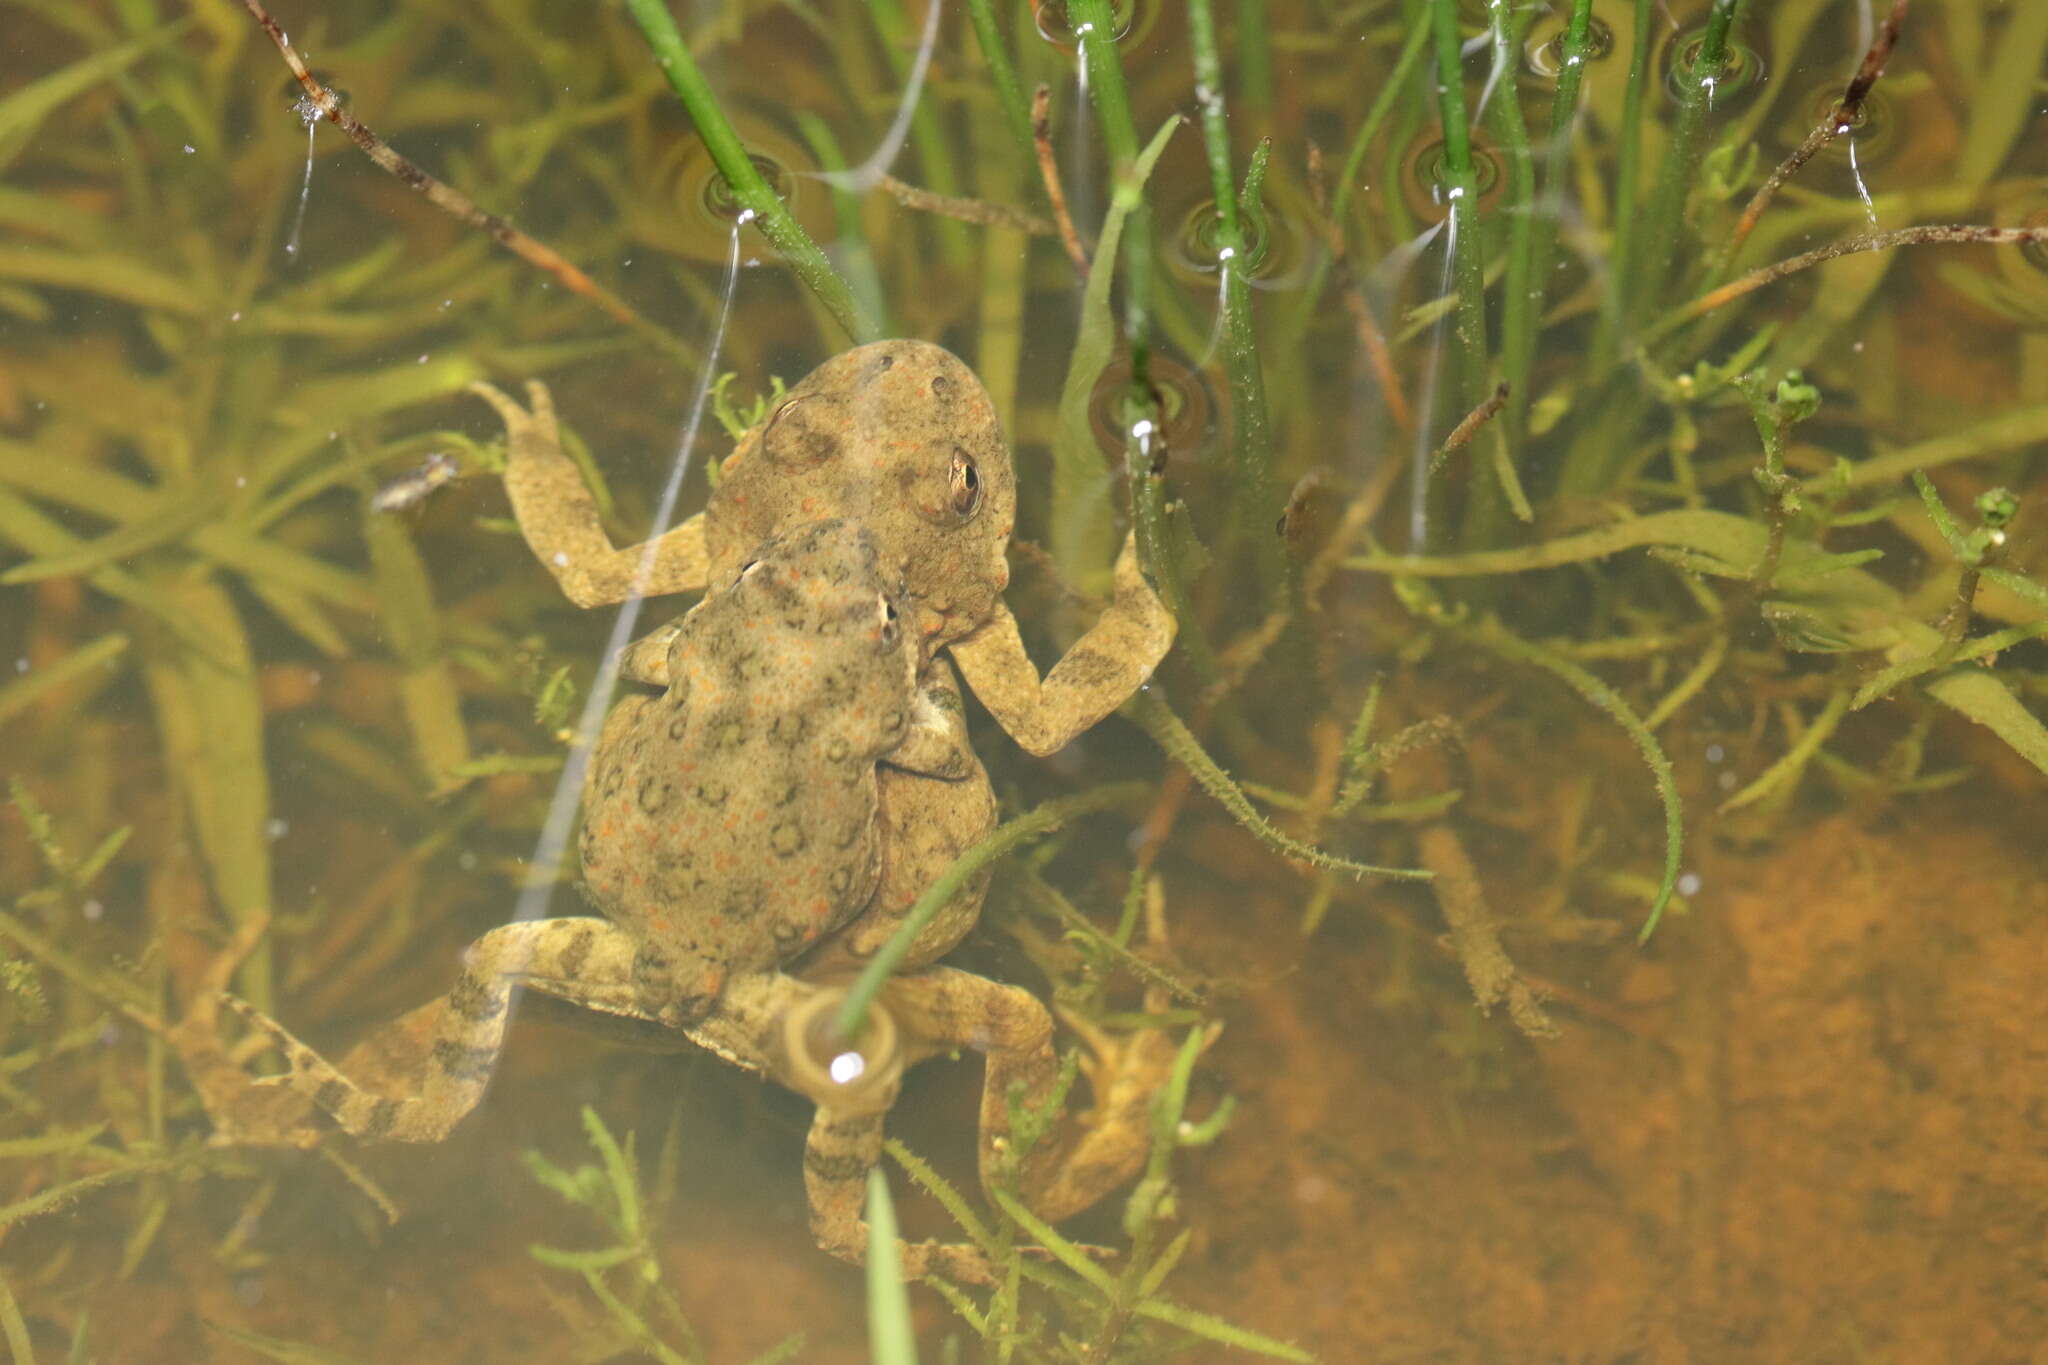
[{"x": 1678, "y": 575}]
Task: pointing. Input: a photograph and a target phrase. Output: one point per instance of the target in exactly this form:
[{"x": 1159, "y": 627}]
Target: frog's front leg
[
  {"x": 559, "y": 518},
  {"x": 1098, "y": 673},
  {"x": 936, "y": 742},
  {"x": 470, "y": 1031}
]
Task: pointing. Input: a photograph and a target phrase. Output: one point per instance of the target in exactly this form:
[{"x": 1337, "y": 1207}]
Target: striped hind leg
[{"x": 458, "y": 1065}]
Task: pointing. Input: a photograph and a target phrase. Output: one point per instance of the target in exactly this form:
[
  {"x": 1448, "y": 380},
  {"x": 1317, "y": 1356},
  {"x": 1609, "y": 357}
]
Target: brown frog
[{"x": 900, "y": 439}]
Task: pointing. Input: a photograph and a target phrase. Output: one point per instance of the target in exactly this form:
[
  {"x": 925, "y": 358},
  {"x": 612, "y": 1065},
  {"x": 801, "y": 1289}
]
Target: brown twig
[
  {"x": 1954, "y": 234},
  {"x": 1462, "y": 434},
  {"x": 1839, "y": 120},
  {"x": 1370, "y": 337},
  {"x": 1049, "y": 171},
  {"x": 978, "y": 211},
  {"x": 452, "y": 201}
]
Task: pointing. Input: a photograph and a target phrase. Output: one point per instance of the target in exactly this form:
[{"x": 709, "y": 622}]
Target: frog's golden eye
[{"x": 964, "y": 483}]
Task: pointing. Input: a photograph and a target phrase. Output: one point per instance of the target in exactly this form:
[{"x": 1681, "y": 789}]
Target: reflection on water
[{"x": 269, "y": 734}]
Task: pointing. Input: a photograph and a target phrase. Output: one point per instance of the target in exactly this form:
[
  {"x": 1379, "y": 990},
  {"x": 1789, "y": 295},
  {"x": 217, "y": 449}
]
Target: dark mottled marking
[
  {"x": 576, "y": 954},
  {"x": 787, "y": 839},
  {"x": 653, "y": 794},
  {"x": 713, "y": 794},
  {"x": 474, "y": 1000},
  {"x": 837, "y": 750},
  {"x": 678, "y": 727},
  {"x": 835, "y": 1166},
  {"x": 463, "y": 1063},
  {"x": 789, "y": 728},
  {"x": 1087, "y": 668},
  {"x": 383, "y": 1117},
  {"x": 331, "y": 1095}
]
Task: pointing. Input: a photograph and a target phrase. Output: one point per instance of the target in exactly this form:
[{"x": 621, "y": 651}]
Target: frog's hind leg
[
  {"x": 1074, "y": 1165},
  {"x": 458, "y": 1065},
  {"x": 560, "y": 520},
  {"x": 837, "y": 1157}
]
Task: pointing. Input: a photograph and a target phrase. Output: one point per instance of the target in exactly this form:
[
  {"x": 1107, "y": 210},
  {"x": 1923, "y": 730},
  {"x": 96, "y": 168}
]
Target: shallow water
[{"x": 1800, "y": 1122}]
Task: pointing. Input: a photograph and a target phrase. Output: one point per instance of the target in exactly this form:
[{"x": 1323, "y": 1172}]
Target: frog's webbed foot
[
  {"x": 467, "y": 1035},
  {"x": 244, "y": 1113},
  {"x": 560, "y": 520},
  {"x": 1097, "y": 674}
]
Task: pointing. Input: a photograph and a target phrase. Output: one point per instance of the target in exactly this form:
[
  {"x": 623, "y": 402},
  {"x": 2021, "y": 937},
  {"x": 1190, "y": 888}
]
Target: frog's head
[
  {"x": 812, "y": 621},
  {"x": 901, "y": 438}
]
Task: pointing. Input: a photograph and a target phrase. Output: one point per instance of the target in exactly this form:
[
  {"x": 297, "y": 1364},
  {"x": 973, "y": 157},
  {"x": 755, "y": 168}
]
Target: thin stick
[
  {"x": 1840, "y": 120},
  {"x": 1462, "y": 434},
  {"x": 1952, "y": 234},
  {"x": 1049, "y": 172},
  {"x": 966, "y": 210},
  {"x": 457, "y": 204}
]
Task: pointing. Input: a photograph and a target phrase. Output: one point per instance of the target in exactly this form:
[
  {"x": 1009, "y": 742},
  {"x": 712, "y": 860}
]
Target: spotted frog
[{"x": 898, "y": 440}]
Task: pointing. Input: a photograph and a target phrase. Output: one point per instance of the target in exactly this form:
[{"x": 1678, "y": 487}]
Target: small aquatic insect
[{"x": 409, "y": 490}]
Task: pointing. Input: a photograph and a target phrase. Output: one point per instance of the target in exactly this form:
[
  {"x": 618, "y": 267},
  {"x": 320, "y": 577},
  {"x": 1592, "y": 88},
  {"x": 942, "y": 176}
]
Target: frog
[
  {"x": 902, "y": 437},
  {"x": 907, "y": 417}
]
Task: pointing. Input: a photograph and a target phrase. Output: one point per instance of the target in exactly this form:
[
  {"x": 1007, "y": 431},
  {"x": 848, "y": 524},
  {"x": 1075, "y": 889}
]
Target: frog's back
[{"x": 732, "y": 821}]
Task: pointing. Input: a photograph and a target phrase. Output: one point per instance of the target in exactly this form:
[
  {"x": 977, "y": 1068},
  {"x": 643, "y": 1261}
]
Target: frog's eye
[
  {"x": 888, "y": 615},
  {"x": 964, "y": 484}
]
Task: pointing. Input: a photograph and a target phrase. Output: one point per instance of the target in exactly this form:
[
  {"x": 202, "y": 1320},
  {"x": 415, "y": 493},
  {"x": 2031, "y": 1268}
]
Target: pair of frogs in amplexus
[{"x": 755, "y": 831}]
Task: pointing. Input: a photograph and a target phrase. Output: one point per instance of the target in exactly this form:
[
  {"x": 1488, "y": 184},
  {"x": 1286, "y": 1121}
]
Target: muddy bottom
[{"x": 1804, "y": 1125}]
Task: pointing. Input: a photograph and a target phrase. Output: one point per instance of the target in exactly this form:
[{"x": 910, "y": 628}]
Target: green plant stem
[
  {"x": 1468, "y": 257},
  {"x": 1095, "y": 29},
  {"x": 1521, "y": 289},
  {"x": 1255, "y": 54},
  {"x": 1001, "y": 841},
  {"x": 1003, "y": 73},
  {"x": 771, "y": 215},
  {"x": 1256, "y": 503},
  {"x": 1627, "y": 173},
  {"x": 1661, "y": 219},
  {"x": 1574, "y": 52}
]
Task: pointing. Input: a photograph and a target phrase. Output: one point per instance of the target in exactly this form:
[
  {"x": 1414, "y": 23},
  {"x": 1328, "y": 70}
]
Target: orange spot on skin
[{"x": 821, "y": 907}]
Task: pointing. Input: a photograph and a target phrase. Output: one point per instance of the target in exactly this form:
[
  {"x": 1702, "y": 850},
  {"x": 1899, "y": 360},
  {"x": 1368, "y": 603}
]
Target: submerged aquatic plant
[{"x": 262, "y": 696}]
